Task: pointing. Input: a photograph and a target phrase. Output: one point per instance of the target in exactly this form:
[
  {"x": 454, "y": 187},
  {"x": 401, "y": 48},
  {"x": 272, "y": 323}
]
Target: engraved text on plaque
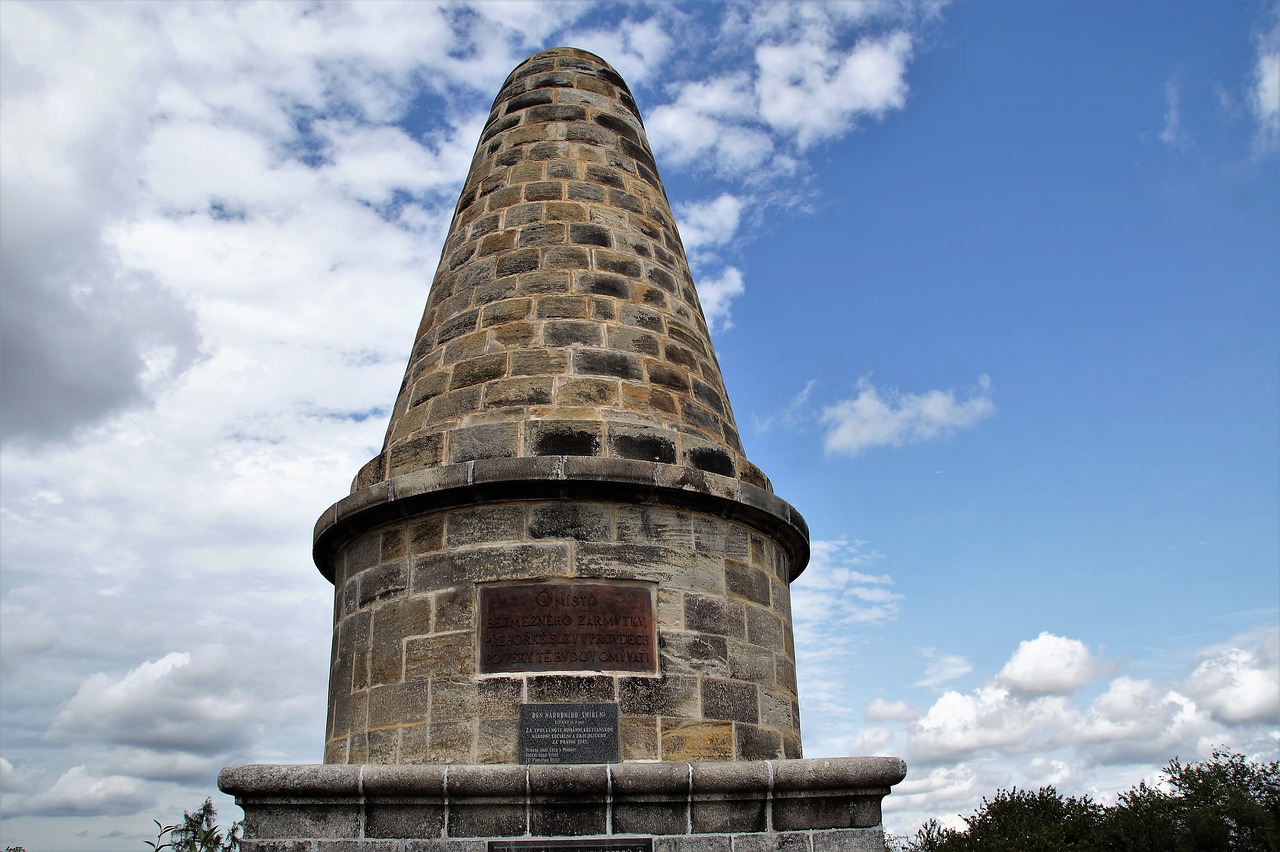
[
  {"x": 539, "y": 627},
  {"x": 569, "y": 733}
]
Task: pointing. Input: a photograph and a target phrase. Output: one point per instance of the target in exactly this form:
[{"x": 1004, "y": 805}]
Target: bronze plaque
[{"x": 542, "y": 627}]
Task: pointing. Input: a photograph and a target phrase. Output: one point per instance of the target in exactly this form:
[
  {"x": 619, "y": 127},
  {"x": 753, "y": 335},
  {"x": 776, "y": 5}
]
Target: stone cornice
[{"x": 559, "y": 477}]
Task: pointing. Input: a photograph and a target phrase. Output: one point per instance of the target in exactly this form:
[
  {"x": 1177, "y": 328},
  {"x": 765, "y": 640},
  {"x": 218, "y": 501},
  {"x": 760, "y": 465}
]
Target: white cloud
[
  {"x": 75, "y": 793},
  {"x": 1264, "y": 90},
  {"x": 1240, "y": 685},
  {"x": 1049, "y": 665},
  {"x": 711, "y": 127},
  {"x": 791, "y": 417},
  {"x": 1172, "y": 133},
  {"x": 707, "y": 224},
  {"x": 943, "y": 668},
  {"x": 968, "y": 744},
  {"x": 717, "y": 295},
  {"x": 834, "y": 603},
  {"x": 880, "y": 710},
  {"x": 817, "y": 95},
  {"x": 870, "y": 420}
]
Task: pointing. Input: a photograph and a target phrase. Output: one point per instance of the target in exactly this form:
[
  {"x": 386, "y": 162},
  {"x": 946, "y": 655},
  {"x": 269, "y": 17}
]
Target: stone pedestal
[{"x": 815, "y": 805}]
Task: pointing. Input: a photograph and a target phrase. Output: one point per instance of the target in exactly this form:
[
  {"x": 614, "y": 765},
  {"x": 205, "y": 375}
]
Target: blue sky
[{"x": 995, "y": 290}]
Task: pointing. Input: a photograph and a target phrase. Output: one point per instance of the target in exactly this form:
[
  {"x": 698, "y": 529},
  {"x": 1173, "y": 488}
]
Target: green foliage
[
  {"x": 1225, "y": 804},
  {"x": 196, "y": 833}
]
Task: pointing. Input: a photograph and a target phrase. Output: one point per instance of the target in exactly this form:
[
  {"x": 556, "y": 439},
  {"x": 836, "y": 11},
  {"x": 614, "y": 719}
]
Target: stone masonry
[
  {"x": 563, "y": 344},
  {"x": 562, "y": 516}
]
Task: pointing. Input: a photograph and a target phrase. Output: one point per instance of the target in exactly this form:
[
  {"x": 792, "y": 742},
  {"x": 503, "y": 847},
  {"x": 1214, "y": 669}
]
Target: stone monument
[{"x": 561, "y": 607}]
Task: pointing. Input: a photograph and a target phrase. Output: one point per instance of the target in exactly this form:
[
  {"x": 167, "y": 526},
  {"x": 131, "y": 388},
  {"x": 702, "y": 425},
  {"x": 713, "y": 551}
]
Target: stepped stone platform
[{"x": 815, "y": 805}]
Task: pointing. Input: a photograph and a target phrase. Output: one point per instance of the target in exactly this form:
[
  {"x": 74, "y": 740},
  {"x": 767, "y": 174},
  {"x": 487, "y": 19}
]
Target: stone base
[{"x": 817, "y": 805}]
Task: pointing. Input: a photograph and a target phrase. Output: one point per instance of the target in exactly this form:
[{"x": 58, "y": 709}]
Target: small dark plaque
[
  {"x": 611, "y": 844},
  {"x": 542, "y": 627},
  {"x": 569, "y": 733}
]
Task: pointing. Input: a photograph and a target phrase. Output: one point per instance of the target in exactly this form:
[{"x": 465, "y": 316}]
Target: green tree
[
  {"x": 198, "y": 832},
  {"x": 1225, "y": 804}
]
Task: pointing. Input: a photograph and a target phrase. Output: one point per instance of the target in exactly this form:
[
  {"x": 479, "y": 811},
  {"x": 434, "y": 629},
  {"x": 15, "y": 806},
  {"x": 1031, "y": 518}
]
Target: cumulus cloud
[
  {"x": 1240, "y": 685},
  {"x": 1042, "y": 720},
  {"x": 880, "y": 710},
  {"x": 716, "y": 293},
  {"x": 76, "y": 792},
  {"x": 815, "y": 95},
  {"x": 712, "y": 126},
  {"x": 1049, "y": 665},
  {"x": 708, "y": 224},
  {"x": 81, "y": 335},
  {"x": 162, "y": 704},
  {"x": 872, "y": 420}
]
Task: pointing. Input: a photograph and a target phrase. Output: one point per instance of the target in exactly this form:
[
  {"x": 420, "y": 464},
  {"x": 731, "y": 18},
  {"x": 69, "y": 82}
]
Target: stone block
[
  {"x": 297, "y": 819},
  {"x": 563, "y": 437},
  {"x": 668, "y": 566},
  {"x": 444, "y": 655},
  {"x": 568, "y": 801},
  {"x": 487, "y": 801},
  {"x": 639, "y": 738},
  {"x": 385, "y": 581},
  {"x": 485, "y": 524},
  {"x": 693, "y": 843},
  {"x": 493, "y": 440},
  {"x": 570, "y": 520},
  {"x": 650, "y": 799},
  {"x": 497, "y": 742},
  {"x": 772, "y": 841},
  {"x": 752, "y": 742},
  {"x": 730, "y": 700},
  {"x": 570, "y": 689},
  {"x": 499, "y": 698},
  {"x": 751, "y": 663},
  {"x": 539, "y": 362},
  {"x": 572, "y": 333},
  {"x": 452, "y": 700},
  {"x": 729, "y": 797},
  {"x": 698, "y": 653},
  {"x": 506, "y": 393},
  {"x": 706, "y": 614},
  {"x": 484, "y": 564},
  {"x": 397, "y": 704},
  {"x": 587, "y": 392},
  {"x": 849, "y": 840},
  {"x": 690, "y": 740},
  {"x": 426, "y": 534},
  {"x": 764, "y": 629},
  {"x": 455, "y": 609}
]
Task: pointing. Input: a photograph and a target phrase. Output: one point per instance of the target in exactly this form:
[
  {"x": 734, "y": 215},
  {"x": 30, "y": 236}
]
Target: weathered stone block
[
  {"x": 730, "y": 700},
  {"x": 485, "y": 524},
  {"x": 582, "y": 522},
  {"x": 683, "y": 739},
  {"x": 707, "y": 614},
  {"x": 671, "y": 695}
]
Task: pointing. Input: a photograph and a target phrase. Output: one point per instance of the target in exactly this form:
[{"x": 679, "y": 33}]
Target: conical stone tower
[
  {"x": 561, "y": 589},
  {"x": 562, "y": 430}
]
